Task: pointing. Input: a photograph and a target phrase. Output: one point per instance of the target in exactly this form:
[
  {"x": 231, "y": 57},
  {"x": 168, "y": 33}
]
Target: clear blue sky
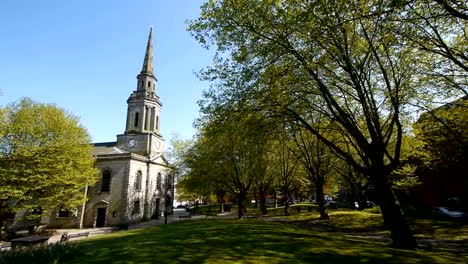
[{"x": 84, "y": 56}]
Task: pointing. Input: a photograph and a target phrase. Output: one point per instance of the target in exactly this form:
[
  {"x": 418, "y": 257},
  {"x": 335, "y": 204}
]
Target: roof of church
[{"x": 104, "y": 148}]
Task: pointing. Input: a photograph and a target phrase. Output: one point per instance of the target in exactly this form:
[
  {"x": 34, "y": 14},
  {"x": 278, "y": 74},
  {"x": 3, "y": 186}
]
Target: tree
[
  {"x": 45, "y": 158},
  {"x": 228, "y": 154},
  {"x": 281, "y": 55},
  {"x": 440, "y": 29},
  {"x": 317, "y": 159},
  {"x": 287, "y": 167}
]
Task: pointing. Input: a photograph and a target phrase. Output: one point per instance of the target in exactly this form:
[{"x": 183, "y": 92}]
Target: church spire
[
  {"x": 147, "y": 68},
  {"x": 146, "y": 79}
]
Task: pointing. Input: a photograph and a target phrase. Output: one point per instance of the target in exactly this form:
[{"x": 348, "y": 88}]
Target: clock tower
[{"x": 142, "y": 130}]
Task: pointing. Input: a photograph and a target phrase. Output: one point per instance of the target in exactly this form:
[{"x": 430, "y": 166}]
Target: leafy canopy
[{"x": 45, "y": 157}]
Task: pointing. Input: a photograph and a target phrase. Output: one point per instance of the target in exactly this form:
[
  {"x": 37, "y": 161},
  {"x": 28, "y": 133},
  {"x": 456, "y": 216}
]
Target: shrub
[{"x": 54, "y": 253}]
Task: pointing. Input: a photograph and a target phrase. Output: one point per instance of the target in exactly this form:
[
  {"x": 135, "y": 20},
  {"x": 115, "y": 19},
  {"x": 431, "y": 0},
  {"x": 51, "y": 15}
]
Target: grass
[
  {"x": 245, "y": 241},
  {"x": 366, "y": 221}
]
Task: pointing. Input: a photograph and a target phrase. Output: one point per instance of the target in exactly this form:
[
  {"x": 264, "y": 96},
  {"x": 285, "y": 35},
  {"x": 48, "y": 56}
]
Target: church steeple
[
  {"x": 142, "y": 128},
  {"x": 146, "y": 79},
  {"x": 147, "y": 68}
]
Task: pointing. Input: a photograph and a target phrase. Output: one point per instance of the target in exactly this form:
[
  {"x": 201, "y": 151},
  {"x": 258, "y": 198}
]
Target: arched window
[
  {"x": 138, "y": 181},
  {"x": 158, "y": 181},
  {"x": 106, "y": 181},
  {"x": 149, "y": 84},
  {"x": 136, "y": 207},
  {"x": 137, "y": 116},
  {"x": 142, "y": 84}
]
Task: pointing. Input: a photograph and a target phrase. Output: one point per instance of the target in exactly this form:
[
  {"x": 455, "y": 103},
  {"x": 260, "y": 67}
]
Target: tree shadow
[{"x": 241, "y": 241}]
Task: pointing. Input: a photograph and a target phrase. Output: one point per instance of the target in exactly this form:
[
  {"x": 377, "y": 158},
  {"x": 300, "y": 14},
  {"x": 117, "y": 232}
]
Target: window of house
[
  {"x": 138, "y": 181},
  {"x": 106, "y": 181},
  {"x": 137, "y": 116},
  {"x": 136, "y": 207}
]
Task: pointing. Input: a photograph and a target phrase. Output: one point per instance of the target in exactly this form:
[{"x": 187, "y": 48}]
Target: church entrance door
[{"x": 101, "y": 217}]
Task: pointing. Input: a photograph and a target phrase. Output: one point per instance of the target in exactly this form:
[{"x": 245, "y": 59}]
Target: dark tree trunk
[
  {"x": 240, "y": 205},
  {"x": 263, "y": 207},
  {"x": 256, "y": 201},
  {"x": 275, "y": 199},
  {"x": 286, "y": 205},
  {"x": 321, "y": 199},
  {"x": 392, "y": 213},
  {"x": 362, "y": 202}
]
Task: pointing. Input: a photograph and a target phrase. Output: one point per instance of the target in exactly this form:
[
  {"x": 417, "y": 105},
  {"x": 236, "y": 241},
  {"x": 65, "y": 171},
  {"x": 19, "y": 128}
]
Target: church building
[{"x": 135, "y": 175}]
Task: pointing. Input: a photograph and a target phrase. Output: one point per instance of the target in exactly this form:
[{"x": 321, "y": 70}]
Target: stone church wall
[{"x": 113, "y": 199}]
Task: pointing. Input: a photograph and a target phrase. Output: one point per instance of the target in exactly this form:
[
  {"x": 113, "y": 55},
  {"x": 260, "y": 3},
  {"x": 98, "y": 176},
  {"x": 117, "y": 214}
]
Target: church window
[
  {"x": 106, "y": 181},
  {"x": 149, "y": 84},
  {"x": 136, "y": 207},
  {"x": 158, "y": 181},
  {"x": 157, "y": 122},
  {"x": 142, "y": 84},
  {"x": 114, "y": 214},
  {"x": 137, "y": 116},
  {"x": 138, "y": 181}
]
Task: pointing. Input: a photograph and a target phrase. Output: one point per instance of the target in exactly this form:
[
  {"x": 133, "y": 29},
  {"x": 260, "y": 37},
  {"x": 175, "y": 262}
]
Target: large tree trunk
[
  {"x": 240, "y": 205},
  {"x": 321, "y": 199},
  {"x": 392, "y": 213}
]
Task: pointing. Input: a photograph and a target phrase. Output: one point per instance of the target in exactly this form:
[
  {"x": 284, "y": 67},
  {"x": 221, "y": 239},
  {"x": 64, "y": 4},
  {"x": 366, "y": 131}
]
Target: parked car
[{"x": 452, "y": 214}]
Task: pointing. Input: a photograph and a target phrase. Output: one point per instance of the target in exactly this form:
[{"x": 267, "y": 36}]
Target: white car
[{"x": 447, "y": 212}]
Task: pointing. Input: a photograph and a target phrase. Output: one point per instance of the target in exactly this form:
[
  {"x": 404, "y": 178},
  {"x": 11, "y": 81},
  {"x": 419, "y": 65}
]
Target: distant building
[
  {"x": 445, "y": 182},
  {"x": 135, "y": 175}
]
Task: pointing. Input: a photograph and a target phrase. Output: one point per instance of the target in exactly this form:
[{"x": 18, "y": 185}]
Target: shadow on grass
[
  {"x": 343, "y": 221},
  {"x": 242, "y": 241}
]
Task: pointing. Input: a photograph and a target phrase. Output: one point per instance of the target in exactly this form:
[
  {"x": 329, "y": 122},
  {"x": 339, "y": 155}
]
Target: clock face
[{"x": 131, "y": 143}]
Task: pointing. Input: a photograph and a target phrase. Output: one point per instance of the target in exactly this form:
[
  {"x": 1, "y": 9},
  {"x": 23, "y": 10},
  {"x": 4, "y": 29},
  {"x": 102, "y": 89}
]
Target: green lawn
[
  {"x": 365, "y": 221},
  {"x": 245, "y": 241}
]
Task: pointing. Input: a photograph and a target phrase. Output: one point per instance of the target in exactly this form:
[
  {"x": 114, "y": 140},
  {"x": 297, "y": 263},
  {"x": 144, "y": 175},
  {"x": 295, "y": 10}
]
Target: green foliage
[
  {"x": 343, "y": 60},
  {"x": 442, "y": 135},
  {"x": 45, "y": 158},
  {"x": 228, "y": 155},
  {"x": 404, "y": 177},
  {"x": 176, "y": 153},
  {"x": 56, "y": 253}
]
